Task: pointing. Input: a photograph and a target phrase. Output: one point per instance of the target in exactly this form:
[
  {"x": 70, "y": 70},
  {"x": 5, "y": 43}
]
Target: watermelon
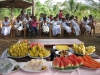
[
  {"x": 61, "y": 66},
  {"x": 33, "y": 44},
  {"x": 80, "y": 62},
  {"x": 74, "y": 62},
  {"x": 67, "y": 63},
  {"x": 56, "y": 63}
]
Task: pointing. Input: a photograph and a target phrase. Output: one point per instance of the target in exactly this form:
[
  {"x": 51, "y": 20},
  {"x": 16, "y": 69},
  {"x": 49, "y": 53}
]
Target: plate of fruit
[
  {"x": 89, "y": 63},
  {"x": 38, "y": 51},
  {"x": 63, "y": 52},
  {"x": 66, "y": 64},
  {"x": 18, "y": 50},
  {"x": 80, "y": 49},
  {"x": 35, "y": 65},
  {"x": 61, "y": 47}
]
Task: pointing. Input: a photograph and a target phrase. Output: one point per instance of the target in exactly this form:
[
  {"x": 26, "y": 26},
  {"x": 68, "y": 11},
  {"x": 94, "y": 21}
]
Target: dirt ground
[{"x": 88, "y": 40}]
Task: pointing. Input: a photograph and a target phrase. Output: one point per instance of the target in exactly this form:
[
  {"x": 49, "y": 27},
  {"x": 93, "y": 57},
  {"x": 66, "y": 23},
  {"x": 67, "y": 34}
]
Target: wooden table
[{"x": 52, "y": 42}]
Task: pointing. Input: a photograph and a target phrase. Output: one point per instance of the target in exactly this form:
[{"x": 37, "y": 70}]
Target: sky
[{"x": 42, "y": 1}]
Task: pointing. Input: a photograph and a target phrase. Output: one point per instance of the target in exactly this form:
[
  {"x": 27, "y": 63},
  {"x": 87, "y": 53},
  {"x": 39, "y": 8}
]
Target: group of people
[{"x": 69, "y": 23}]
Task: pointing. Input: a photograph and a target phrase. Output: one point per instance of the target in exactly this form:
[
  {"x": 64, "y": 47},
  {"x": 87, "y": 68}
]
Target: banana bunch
[
  {"x": 90, "y": 50},
  {"x": 38, "y": 51},
  {"x": 18, "y": 50},
  {"x": 79, "y": 48}
]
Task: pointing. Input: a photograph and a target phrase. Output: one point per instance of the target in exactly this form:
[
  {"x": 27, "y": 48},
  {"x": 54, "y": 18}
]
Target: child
[
  {"x": 6, "y": 27},
  {"x": 34, "y": 26}
]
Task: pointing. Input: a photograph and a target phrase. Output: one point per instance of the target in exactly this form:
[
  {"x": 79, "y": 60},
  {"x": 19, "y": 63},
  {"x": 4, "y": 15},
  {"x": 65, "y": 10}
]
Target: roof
[{"x": 14, "y": 3}]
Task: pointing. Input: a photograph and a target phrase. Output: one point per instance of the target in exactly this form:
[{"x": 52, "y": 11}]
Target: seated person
[
  {"x": 85, "y": 24},
  {"x": 45, "y": 27},
  {"x": 18, "y": 25},
  {"x": 75, "y": 26},
  {"x": 56, "y": 28},
  {"x": 66, "y": 26},
  {"x": 34, "y": 26},
  {"x": 5, "y": 27}
]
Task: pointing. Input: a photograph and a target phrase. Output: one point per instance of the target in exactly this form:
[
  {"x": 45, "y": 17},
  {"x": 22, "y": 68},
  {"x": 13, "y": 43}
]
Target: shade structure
[{"x": 15, "y": 3}]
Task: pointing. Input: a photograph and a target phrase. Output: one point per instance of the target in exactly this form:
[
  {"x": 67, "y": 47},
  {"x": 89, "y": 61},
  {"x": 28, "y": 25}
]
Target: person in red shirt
[
  {"x": 34, "y": 26},
  {"x": 60, "y": 15}
]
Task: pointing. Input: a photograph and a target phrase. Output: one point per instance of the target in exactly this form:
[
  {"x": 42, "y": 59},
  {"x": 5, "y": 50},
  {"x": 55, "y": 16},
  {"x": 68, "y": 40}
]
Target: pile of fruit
[
  {"x": 18, "y": 50},
  {"x": 38, "y": 50},
  {"x": 89, "y": 62},
  {"x": 62, "y": 47},
  {"x": 36, "y": 65},
  {"x": 81, "y": 49},
  {"x": 63, "y": 52},
  {"x": 64, "y": 63}
]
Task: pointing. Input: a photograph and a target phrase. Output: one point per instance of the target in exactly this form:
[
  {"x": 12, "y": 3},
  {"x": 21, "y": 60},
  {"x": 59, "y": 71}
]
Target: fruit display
[
  {"x": 18, "y": 50},
  {"x": 89, "y": 62},
  {"x": 68, "y": 62},
  {"x": 63, "y": 52},
  {"x": 35, "y": 65},
  {"x": 38, "y": 51},
  {"x": 82, "y": 50},
  {"x": 62, "y": 47}
]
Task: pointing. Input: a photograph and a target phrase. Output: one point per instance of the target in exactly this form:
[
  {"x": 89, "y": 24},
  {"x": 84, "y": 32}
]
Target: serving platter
[
  {"x": 57, "y": 52},
  {"x": 67, "y": 70},
  {"x": 26, "y": 68},
  {"x": 38, "y": 57}
]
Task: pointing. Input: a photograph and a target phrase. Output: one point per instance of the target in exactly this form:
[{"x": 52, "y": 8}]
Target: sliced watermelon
[
  {"x": 67, "y": 63},
  {"x": 80, "y": 62},
  {"x": 74, "y": 62},
  {"x": 61, "y": 66},
  {"x": 33, "y": 44},
  {"x": 56, "y": 63}
]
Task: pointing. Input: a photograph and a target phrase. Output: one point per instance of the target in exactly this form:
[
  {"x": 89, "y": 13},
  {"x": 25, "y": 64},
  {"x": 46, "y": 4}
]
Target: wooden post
[
  {"x": 33, "y": 7},
  {"x": 12, "y": 12}
]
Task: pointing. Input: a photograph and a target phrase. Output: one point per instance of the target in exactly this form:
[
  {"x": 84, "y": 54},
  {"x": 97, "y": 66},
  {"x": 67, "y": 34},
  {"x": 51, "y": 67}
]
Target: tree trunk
[{"x": 33, "y": 7}]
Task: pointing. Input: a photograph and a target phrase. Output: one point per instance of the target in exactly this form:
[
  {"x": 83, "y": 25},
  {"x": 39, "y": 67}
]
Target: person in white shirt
[
  {"x": 22, "y": 16},
  {"x": 18, "y": 25},
  {"x": 75, "y": 26},
  {"x": 85, "y": 24},
  {"x": 45, "y": 27},
  {"x": 5, "y": 27},
  {"x": 66, "y": 26},
  {"x": 56, "y": 28}
]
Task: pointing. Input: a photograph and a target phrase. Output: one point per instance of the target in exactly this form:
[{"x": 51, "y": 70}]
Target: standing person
[
  {"x": 85, "y": 24},
  {"x": 60, "y": 15},
  {"x": 66, "y": 26},
  {"x": 6, "y": 27},
  {"x": 34, "y": 26},
  {"x": 75, "y": 25},
  {"x": 91, "y": 23},
  {"x": 27, "y": 20},
  {"x": 22, "y": 16},
  {"x": 56, "y": 29}
]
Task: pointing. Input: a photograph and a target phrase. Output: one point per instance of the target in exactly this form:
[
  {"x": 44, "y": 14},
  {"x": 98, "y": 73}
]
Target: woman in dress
[
  {"x": 75, "y": 25},
  {"x": 56, "y": 29},
  {"x": 85, "y": 24},
  {"x": 6, "y": 27},
  {"x": 66, "y": 26}
]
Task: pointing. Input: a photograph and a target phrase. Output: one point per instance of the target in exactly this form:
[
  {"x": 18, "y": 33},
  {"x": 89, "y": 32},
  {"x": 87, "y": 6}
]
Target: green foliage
[{"x": 71, "y": 7}]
